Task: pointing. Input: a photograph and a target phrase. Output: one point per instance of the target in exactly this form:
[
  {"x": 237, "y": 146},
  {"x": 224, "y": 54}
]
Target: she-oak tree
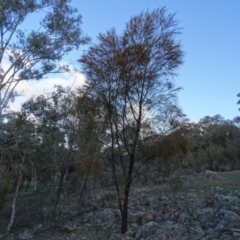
[{"x": 131, "y": 77}]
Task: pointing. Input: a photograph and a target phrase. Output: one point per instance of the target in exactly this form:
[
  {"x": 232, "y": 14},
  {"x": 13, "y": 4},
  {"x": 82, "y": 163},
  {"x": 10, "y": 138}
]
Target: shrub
[
  {"x": 4, "y": 189},
  {"x": 176, "y": 183}
]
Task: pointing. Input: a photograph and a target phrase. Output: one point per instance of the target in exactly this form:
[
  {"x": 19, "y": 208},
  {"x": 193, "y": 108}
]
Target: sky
[{"x": 210, "y": 74}]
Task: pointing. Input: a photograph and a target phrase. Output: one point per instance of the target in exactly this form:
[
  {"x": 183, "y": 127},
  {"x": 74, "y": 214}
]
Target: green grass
[{"x": 229, "y": 182}]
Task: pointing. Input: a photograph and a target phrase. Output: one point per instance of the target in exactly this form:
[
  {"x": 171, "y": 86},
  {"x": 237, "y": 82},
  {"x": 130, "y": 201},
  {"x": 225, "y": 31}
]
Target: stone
[
  {"x": 135, "y": 216},
  {"x": 26, "y": 235},
  {"x": 236, "y": 234},
  {"x": 227, "y": 198},
  {"x": 147, "y": 230},
  {"x": 154, "y": 215},
  {"x": 147, "y": 218},
  {"x": 106, "y": 215},
  {"x": 211, "y": 175},
  {"x": 37, "y": 227},
  {"x": 68, "y": 227},
  {"x": 183, "y": 217},
  {"x": 88, "y": 217},
  {"x": 163, "y": 198},
  {"x": 192, "y": 195},
  {"x": 118, "y": 236},
  {"x": 73, "y": 235},
  {"x": 168, "y": 224},
  {"x": 205, "y": 211},
  {"x": 130, "y": 233},
  {"x": 197, "y": 231},
  {"x": 150, "y": 224}
]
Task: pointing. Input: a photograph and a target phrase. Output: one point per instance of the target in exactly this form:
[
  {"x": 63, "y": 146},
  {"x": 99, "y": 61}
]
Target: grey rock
[
  {"x": 227, "y": 198},
  {"x": 26, "y": 235},
  {"x": 236, "y": 234},
  {"x": 168, "y": 224},
  {"x": 136, "y": 216},
  {"x": 147, "y": 218},
  {"x": 69, "y": 227},
  {"x": 192, "y": 195},
  {"x": 150, "y": 225},
  {"x": 197, "y": 231},
  {"x": 107, "y": 215},
  {"x": 211, "y": 175},
  {"x": 118, "y": 236},
  {"x": 37, "y": 227},
  {"x": 88, "y": 217},
  {"x": 163, "y": 198},
  {"x": 183, "y": 217}
]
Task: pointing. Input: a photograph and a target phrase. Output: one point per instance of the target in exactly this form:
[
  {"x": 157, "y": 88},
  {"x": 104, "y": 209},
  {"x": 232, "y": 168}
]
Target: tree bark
[
  {"x": 126, "y": 194},
  {"x": 59, "y": 192},
  {"x": 84, "y": 187},
  {"x": 125, "y": 208},
  {"x": 19, "y": 180}
]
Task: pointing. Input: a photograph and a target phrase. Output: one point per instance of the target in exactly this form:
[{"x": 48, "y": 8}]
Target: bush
[
  {"x": 4, "y": 189},
  {"x": 176, "y": 183}
]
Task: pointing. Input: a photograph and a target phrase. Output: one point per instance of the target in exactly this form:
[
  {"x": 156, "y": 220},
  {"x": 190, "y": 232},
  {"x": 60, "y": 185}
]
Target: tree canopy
[
  {"x": 131, "y": 76},
  {"x": 123, "y": 126},
  {"x": 31, "y": 55}
]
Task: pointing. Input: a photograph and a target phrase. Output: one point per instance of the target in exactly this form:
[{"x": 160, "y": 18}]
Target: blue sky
[{"x": 210, "y": 75}]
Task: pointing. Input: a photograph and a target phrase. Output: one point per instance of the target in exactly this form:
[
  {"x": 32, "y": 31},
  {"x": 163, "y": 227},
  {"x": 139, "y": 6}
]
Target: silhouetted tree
[{"x": 131, "y": 77}]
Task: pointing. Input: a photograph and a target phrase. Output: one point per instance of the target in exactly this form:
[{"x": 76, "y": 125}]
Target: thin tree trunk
[
  {"x": 125, "y": 208},
  {"x": 14, "y": 203},
  {"x": 126, "y": 194},
  {"x": 113, "y": 166},
  {"x": 58, "y": 193},
  {"x": 84, "y": 187}
]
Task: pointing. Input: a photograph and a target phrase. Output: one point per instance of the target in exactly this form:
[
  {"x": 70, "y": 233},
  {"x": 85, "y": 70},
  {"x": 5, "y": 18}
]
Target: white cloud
[{"x": 28, "y": 89}]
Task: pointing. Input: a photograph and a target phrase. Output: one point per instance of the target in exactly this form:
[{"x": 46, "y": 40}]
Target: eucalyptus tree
[
  {"x": 18, "y": 144},
  {"x": 215, "y": 143},
  {"x": 131, "y": 76},
  {"x": 31, "y": 55},
  {"x": 238, "y": 102},
  {"x": 56, "y": 127},
  {"x": 92, "y": 135}
]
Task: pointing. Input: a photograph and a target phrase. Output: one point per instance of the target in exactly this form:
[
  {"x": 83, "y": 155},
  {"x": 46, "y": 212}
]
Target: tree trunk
[
  {"x": 58, "y": 193},
  {"x": 126, "y": 194},
  {"x": 83, "y": 188},
  {"x": 125, "y": 207},
  {"x": 19, "y": 180}
]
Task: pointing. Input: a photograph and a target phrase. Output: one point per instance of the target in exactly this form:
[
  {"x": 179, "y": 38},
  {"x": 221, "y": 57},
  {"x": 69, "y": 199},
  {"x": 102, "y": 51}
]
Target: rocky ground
[{"x": 207, "y": 206}]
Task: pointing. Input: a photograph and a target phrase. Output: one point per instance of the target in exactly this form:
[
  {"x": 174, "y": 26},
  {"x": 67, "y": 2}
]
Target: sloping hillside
[{"x": 200, "y": 206}]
